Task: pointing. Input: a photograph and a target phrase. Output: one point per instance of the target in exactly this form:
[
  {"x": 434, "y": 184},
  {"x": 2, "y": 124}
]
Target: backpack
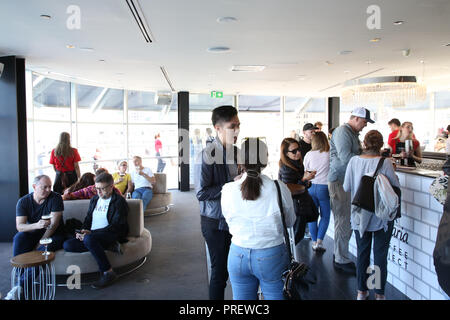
[{"x": 386, "y": 199}]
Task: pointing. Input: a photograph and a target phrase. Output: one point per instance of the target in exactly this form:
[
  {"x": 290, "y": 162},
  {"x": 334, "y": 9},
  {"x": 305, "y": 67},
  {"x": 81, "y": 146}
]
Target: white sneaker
[
  {"x": 14, "y": 293},
  {"x": 315, "y": 246}
]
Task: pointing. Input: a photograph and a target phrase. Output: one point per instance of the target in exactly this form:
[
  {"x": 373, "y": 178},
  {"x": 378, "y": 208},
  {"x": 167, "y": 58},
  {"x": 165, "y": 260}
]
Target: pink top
[{"x": 158, "y": 145}]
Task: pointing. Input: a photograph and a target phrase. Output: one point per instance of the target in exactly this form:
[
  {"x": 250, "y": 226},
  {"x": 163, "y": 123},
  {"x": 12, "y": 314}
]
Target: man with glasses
[
  {"x": 344, "y": 145},
  {"x": 104, "y": 226}
]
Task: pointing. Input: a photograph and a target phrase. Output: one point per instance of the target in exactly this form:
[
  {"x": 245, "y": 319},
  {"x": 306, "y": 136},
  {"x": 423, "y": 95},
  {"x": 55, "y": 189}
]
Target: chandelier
[{"x": 395, "y": 91}]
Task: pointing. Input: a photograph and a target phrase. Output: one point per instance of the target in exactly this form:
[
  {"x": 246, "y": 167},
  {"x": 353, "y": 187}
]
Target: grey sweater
[{"x": 344, "y": 145}]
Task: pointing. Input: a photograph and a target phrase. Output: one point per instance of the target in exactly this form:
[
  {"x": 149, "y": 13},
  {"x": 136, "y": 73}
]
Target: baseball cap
[
  {"x": 362, "y": 113},
  {"x": 309, "y": 126}
]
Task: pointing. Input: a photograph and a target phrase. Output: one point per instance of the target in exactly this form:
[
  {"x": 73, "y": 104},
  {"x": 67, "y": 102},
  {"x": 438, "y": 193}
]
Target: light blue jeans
[
  {"x": 250, "y": 268},
  {"x": 146, "y": 194},
  {"x": 319, "y": 193}
]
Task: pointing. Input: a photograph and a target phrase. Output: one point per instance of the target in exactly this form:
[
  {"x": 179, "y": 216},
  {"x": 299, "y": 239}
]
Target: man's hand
[
  {"x": 141, "y": 173},
  {"x": 42, "y": 224}
]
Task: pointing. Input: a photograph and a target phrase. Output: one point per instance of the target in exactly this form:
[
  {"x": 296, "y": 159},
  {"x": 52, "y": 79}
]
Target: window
[
  {"x": 301, "y": 110},
  {"x": 260, "y": 116},
  {"x": 96, "y": 104},
  {"x": 142, "y": 108}
]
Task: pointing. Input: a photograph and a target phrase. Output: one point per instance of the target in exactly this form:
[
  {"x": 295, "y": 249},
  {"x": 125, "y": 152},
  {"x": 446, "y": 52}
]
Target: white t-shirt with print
[{"x": 99, "y": 216}]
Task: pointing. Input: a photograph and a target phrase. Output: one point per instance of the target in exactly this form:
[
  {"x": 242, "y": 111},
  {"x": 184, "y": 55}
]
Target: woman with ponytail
[{"x": 258, "y": 255}]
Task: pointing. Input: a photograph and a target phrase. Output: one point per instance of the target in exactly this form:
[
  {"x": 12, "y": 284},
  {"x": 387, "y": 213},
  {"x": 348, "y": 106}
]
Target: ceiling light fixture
[
  {"x": 218, "y": 49},
  {"x": 248, "y": 68},
  {"x": 45, "y": 16},
  {"x": 139, "y": 17},
  {"x": 375, "y": 40},
  {"x": 70, "y": 46},
  {"x": 395, "y": 91},
  {"x": 226, "y": 19},
  {"x": 399, "y": 22},
  {"x": 344, "y": 52},
  {"x": 87, "y": 49}
]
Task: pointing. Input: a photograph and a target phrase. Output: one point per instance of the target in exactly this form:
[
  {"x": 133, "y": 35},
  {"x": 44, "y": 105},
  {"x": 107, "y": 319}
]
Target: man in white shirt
[
  {"x": 143, "y": 180},
  {"x": 105, "y": 225}
]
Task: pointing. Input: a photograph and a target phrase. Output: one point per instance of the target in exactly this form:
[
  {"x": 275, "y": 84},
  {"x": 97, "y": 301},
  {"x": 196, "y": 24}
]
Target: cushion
[{"x": 161, "y": 183}]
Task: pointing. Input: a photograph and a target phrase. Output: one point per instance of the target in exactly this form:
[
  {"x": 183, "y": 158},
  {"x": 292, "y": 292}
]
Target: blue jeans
[
  {"x": 96, "y": 243},
  {"x": 144, "y": 193},
  {"x": 319, "y": 193},
  {"x": 381, "y": 241},
  {"x": 250, "y": 268},
  {"x": 27, "y": 241}
]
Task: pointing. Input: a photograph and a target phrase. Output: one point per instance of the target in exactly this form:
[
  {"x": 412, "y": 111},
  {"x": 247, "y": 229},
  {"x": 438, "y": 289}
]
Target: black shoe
[
  {"x": 345, "y": 267},
  {"x": 106, "y": 279}
]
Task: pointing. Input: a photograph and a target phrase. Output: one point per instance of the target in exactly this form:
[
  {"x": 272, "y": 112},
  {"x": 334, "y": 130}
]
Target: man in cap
[
  {"x": 344, "y": 145},
  {"x": 305, "y": 144}
]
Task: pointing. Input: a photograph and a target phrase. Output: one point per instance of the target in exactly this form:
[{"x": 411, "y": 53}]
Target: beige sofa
[
  {"x": 138, "y": 246},
  {"x": 161, "y": 198}
]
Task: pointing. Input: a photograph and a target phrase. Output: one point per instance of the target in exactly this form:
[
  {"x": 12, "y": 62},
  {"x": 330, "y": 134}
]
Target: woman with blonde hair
[
  {"x": 65, "y": 160},
  {"x": 318, "y": 161},
  {"x": 398, "y": 145}
]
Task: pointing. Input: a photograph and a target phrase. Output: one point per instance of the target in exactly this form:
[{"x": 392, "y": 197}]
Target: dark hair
[
  {"x": 223, "y": 114},
  {"x": 448, "y": 127},
  {"x": 254, "y": 158},
  {"x": 104, "y": 178},
  {"x": 373, "y": 141},
  {"x": 86, "y": 180},
  {"x": 395, "y": 121},
  {"x": 100, "y": 171},
  {"x": 284, "y": 148}
]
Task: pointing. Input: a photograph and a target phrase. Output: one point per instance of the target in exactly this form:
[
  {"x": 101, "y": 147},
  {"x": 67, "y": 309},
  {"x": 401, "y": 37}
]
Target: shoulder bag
[
  {"x": 364, "y": 195},
  {"x": 296, "y": 278}
]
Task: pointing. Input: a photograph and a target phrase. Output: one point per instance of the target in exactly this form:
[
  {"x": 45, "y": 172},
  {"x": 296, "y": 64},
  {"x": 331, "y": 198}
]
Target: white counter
[{"x": 410, "y": 258}]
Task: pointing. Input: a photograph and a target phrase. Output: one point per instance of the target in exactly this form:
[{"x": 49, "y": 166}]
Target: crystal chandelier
[{"x": 395, "y": 91}]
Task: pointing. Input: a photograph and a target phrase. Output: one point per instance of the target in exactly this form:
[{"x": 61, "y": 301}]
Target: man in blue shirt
[
  {"x": 344, "y": 145},
  {"x": 29, "y": 223}
]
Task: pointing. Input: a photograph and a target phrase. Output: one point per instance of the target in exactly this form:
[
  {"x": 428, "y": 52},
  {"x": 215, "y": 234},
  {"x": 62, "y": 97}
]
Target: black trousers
[
  {"x": 58, "y": 187},
  {"x": 218, "y": 242}
]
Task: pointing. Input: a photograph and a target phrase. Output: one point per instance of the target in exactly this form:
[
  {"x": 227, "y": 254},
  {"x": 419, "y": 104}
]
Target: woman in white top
[
  {"x": 258, "y": 254},
  {"x": 318, "y": 161}
]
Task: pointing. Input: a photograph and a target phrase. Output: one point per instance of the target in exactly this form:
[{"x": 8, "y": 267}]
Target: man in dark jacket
[
  {"x": 104, "y": 226},
  {"x": 215, "y": 166}
]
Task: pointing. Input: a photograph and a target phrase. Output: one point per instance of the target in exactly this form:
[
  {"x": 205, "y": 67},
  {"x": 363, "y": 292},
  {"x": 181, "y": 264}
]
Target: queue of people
[{"x": 240, "y": 216}]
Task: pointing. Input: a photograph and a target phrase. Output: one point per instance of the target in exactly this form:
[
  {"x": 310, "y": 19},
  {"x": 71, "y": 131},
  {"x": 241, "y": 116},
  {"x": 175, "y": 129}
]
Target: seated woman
[
  {"x": 122, "y": 179},
  {"x": 367, "y": 226},
  {"x": 86, "y": 180},
  {"x": 88, "y": 192},
  {"x": 397, "y": 144},
  {"x": 258, "y": 255}
]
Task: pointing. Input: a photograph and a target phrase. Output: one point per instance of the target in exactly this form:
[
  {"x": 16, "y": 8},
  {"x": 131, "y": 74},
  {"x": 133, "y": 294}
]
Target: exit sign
[{"x": 216, "y": 94}]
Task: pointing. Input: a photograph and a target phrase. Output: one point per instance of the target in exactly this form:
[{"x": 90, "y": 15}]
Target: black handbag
[
  {"x": 297, "y": 278},
  {"x": 364, "y": 195}
]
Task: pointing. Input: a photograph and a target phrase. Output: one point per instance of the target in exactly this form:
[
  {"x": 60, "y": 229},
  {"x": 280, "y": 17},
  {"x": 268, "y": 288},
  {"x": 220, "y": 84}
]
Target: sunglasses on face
[{"x": 294, "y": 151}]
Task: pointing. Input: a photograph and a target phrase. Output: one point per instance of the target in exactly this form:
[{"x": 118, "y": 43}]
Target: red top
[
  {"x": 69, "y": 162},
  {"x": 158, "y": 145},
  {"x": 392, "y": 136},
  {"x": 393, "y": 144}
]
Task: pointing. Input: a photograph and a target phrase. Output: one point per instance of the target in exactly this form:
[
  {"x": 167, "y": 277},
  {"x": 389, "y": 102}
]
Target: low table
[{"x": 37, "y": 274}]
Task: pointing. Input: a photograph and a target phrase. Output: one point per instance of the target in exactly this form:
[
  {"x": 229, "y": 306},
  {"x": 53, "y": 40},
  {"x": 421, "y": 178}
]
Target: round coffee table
[{"x": 35, "y": 273}]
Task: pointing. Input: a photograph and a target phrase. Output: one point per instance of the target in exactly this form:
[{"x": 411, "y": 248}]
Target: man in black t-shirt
[
  {"x": 29, "y": 223},
  {"x": 305, "y": 144}
]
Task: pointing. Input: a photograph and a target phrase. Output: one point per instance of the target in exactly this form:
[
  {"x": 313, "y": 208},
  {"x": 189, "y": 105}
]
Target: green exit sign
[{"x": 216, "y": 94}]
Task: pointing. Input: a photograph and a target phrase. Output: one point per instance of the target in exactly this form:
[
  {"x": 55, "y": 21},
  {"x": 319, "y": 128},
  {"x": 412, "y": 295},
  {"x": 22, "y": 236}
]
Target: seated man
[
  {"x": 105, "y": 225},
  {"x": 143, "y": 180},
  {"x": 88, "y": 192},
  {"x": 32, "y": 228}
]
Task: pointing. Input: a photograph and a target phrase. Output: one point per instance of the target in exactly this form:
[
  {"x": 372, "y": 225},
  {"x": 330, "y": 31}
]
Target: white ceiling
[{"x": 290, "y": 37}]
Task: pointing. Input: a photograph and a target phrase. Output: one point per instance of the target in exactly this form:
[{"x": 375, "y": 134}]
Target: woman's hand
[{"x": 309, "y": 175}]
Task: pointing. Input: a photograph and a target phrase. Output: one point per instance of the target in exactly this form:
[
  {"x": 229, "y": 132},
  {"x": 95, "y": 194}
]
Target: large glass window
[
  {"x": 51, "y": 99},
  {"x": 143, "y": 108},
  {"x": 301, "y": 110},
  {"x": 96, "y": 104},
  {"x": 260, "y": 116}
]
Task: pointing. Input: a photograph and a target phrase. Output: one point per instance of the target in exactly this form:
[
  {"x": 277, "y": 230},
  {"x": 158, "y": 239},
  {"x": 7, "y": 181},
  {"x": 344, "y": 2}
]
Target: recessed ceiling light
[
  {"x": 399, "y": 22},
  {"x": 87, "y": 49},
  {"x": 375, "y": 40},
  {"x": 248, "y": 68},
  {"x": 329, "y": 63},
  {"x": 45, "y": 16},
  {"x": 226, "y": 19},
  {"x": 70, "y": 46},
  {"x": 218, "y": 49},
  {"x": 102, "y": 60},
  {"x": 344, "y": 52},
  {"x": 446, "y": 45}
]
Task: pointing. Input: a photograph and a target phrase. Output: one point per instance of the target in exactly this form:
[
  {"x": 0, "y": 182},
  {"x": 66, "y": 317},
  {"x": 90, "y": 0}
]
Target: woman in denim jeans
[
  {"x": 318, "y": 161},
  {"x": 258, "y": 255}
]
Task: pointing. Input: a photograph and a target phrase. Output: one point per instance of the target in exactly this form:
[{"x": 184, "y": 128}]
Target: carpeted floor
[{"x": 176, "y": 268}]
